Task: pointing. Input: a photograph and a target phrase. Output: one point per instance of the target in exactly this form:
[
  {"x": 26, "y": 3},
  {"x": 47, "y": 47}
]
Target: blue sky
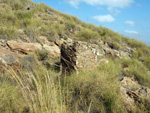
[{"x": 128, "y": 17}]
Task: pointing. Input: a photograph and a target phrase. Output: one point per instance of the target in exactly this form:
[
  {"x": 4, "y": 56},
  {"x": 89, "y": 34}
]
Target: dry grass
[
  {"x": 39, "y": 91},
  {"x": 43, "y": 91}
]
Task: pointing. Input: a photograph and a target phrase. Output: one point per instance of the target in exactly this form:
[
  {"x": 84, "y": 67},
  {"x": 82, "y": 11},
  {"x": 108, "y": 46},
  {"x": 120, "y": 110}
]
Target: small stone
[{"x": 49, "y": 12}]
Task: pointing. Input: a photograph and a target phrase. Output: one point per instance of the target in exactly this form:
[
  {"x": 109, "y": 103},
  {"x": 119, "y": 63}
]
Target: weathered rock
[
  {"x": 129, "y": 49},
  {"x": 141, "y": 59},
  {"x": 2, "y": 37},
  {"x": 133, "y": 93},
  {"x": 149, "y": 72},
  {"x": 7, "y": 57},
  {"x": 128, "y": 102},
  {"x": 115, "y": 53},
  {"x": 29, "y": 63},
  {"x": 111, "y": 45},
  {"x": 126, "y": 69},
  {"x": 109, "y": 50},
  {"x": 76, "y": 55},
  {"x": 49, "y": 12},
  {"x": 59, "y": 42},
  {"x": 53, "y": 50},
  {"x": 21, "y": 36},
  {"x": 125, "y": 54},
  {"x": 30, "y": 6},
  {"x": 51, "y": 47},
  {"x": 23, "y": 47},
  {"x": 3, "y": 40},
  {"x": 43, "y": 40},
  {"x": 103, "y": 61}
]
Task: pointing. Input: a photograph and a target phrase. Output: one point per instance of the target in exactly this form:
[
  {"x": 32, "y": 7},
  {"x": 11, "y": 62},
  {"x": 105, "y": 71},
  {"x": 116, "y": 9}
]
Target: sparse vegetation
[
  {"x": 87, "y": 34},
  {"x": 137, "y": 70},
  {"x": 43, "y": 90}
]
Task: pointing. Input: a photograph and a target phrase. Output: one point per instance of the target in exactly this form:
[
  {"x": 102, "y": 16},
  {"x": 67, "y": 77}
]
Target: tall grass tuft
[{"x": 39, "y": 91}]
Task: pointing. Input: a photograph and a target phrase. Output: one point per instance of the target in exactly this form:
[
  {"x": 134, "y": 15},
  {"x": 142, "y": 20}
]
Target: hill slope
[{"x": 31, "y": 36}]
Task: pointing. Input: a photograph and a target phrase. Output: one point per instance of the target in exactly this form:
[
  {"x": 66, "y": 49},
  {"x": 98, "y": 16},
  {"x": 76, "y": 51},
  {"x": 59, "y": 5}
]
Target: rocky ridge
[
  {"x": 51, "y": 34},
  {"x": 76, "y": 56}
]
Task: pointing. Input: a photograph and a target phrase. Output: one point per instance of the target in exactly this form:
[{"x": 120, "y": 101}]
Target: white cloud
[
  {"x": 114, "y": 11},
  {"x": 104, "y": 18},
  {"x": 131, "y": 32},
  {"x": 139, "y": 5},
  {"x": 131, "y": 23},
  {"x": 108, "y": 3}
]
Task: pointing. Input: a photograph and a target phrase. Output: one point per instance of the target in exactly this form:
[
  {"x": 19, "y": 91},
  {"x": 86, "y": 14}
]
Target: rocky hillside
[{"x": 52, "y": 62}]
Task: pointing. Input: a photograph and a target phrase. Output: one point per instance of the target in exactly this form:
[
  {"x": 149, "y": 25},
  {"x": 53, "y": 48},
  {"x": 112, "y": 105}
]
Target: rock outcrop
[
  {"x": 133, "y": 93},
  {"x": 109, "y": 50},
  {"x": 11, "y": 50},
  {"x": 77, "y": 55},
  {"x": 8, "y": 57},
  {"x": 51, "y": 47},
  {"x": 23, "y": 47}
]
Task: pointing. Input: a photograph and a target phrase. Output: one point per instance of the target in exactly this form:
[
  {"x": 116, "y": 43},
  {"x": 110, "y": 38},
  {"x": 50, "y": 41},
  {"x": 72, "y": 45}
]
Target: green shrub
[
  {"x": 76, "y": 20},
  {"x": 134, "y": 43},
  {"x": 147, "y": 62},
  {"x": 138, "y": 70},
  {"x": 42, "y": 54},
  {"x": 8, "y": 32},
  {"x": 11, "y": 99},
  {"x": 95, "y": 91},
  {"x": 87, "y": 35},
  {"x": 38, "y": 91},
  {"x": 17, "y": 6},
  {"x": 117, "y": 46},
  {"x": 53, "y": 31},
  {"x": 23, "y": 14},
  {"x": 70, "y": 25}
]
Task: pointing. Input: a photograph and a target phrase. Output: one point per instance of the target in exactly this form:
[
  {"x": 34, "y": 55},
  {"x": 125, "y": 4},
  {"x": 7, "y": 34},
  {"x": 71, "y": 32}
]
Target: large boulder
[
  {"x": 51, "y": 47},
  {"x": 23, "y": 47},
  {"x": 53, "y": 50}
]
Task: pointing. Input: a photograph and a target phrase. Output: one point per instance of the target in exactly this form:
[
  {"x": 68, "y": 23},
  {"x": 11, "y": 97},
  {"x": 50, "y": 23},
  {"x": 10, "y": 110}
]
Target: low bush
[
  {"x": 11, "y": 99},
  {"x": 70, "y": 25},
  {"x": 86, "y": 34},
  {"x": 95, "y": 91},
  {"x": 138, "y": 70},
  {"x": 38, "y": 90},
  {"x": 42, "y": 54}
]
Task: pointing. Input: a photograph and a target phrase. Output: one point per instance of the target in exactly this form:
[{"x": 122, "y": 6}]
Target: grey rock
[
  {"x": 141, "y": 59},
  {"x": 3, "y": 37},
  {"x": 29, "y": 63},
  {"x": 3, "y": 41},
  {"x": 50, "y": 12},
  {"x": 79, "y": 55},
  {"x": 7, "y": 57},
  {"x": 132, "y": 92},
  {"x": 29, "y": 6}
]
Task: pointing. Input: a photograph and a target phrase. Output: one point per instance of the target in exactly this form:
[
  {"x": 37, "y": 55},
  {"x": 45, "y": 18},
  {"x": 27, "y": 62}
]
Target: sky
[{"x": 128, "y": 17}]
